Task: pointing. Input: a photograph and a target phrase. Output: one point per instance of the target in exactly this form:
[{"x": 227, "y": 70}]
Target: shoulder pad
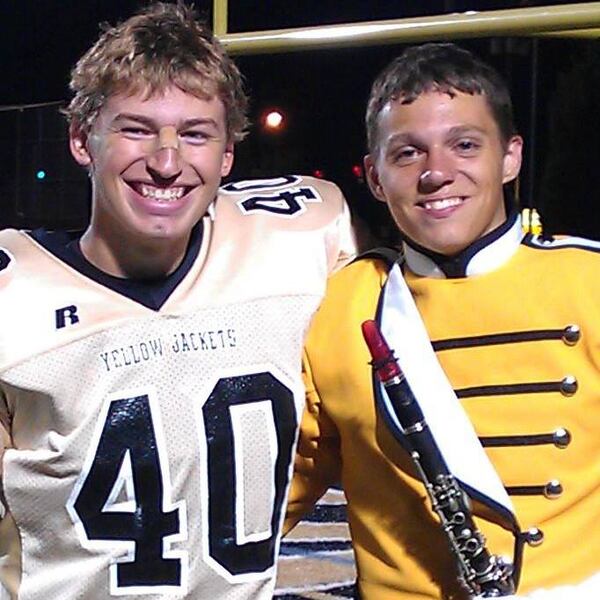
[{"x": 286, "y": 196}]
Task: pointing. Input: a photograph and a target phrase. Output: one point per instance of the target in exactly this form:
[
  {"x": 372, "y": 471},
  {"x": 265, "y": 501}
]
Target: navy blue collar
[
  {"x": 152, "y": 293},
  {"x": 484, "y": 255}
]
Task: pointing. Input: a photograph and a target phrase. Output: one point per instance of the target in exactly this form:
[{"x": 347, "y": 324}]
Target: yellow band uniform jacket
[
  {"x": 516, "y": 329},
  {"x": 149, "y": 439}
]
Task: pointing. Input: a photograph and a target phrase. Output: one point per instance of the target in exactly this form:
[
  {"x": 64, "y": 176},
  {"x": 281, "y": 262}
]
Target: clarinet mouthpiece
[{"x": 383, "y": 359}]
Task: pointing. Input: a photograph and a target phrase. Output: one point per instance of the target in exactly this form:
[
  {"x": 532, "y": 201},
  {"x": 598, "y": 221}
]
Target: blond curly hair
[{"x": 164, "y": 44}]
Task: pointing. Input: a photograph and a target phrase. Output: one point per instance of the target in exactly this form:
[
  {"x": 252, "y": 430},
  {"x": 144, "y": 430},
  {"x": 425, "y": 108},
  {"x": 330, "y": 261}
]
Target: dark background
[{"x": 322, "y": 93}]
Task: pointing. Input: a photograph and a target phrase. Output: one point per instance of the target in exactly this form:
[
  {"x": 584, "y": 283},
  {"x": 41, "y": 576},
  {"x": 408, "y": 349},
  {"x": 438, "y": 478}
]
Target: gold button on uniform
[
  {"x": 571, "y": 334},
  {"x": 568, "y": 386},
  {"x": 553, "y": 489},
  {"x": 534, "y": 536},
  {"x": 561, "y": 437}
]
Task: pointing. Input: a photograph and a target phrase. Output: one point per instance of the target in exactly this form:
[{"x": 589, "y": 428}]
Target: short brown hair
[
  {"x": 440, "y": 67},
  {"x": 161, "y": 45}
]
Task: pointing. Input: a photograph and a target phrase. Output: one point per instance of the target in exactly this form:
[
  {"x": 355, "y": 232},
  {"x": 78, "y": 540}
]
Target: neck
[{"x": 127, "y": 258}]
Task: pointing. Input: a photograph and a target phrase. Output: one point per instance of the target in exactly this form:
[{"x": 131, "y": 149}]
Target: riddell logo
[{"x": 66, "y": 316}]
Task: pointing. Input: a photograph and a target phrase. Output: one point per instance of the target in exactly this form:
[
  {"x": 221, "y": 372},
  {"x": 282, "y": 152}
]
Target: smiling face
[
  {"x": 155, "y": 165},
  {"x": 440, "y": 165}
]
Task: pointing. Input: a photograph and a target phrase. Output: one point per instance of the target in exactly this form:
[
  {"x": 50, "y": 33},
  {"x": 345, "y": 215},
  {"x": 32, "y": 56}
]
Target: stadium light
[{"x": 273, "y": 120}]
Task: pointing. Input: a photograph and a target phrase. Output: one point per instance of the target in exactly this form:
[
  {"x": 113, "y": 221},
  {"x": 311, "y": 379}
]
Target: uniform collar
[
  {"x": 484, "y": 255},
  {"x": 152, "y": 293}
]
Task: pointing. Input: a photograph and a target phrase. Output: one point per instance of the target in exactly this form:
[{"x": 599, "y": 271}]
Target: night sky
[{"x": 322, "y": 93}]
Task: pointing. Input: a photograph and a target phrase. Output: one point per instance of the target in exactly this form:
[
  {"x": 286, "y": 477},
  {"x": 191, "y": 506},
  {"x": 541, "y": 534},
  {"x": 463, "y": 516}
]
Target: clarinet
[{"x": 480, "y": 573}]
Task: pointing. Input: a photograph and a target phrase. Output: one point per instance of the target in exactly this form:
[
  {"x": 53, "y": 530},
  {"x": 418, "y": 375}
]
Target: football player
[
  {"x": 150, "y": 384},
  {"x": 513, "y": 319}
]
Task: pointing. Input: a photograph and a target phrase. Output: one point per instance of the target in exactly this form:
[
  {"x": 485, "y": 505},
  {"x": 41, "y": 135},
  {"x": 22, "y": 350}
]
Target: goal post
[{"x": 563, "y": 20}]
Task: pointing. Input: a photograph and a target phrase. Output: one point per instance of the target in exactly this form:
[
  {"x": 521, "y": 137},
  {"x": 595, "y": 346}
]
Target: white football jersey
[{"x": 150, "y": 445}]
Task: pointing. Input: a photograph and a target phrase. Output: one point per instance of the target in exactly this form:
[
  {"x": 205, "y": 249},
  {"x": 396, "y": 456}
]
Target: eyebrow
[
  {"x": 462, "y": 129},
  {"x": 411, "y": 138},
  {"x": 400, "y": 138},
  {"x": 151, "y": 123}
]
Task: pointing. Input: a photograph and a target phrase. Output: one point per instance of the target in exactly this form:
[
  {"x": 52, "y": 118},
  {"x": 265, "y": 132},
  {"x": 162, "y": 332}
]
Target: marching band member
[{"x": 510, "y": 340}]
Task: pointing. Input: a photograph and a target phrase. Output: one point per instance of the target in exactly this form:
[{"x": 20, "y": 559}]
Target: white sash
[{"x": 403, "y": 328}]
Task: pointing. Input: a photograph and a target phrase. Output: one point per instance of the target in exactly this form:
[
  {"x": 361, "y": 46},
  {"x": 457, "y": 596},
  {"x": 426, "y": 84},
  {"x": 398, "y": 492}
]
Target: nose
[
  {"x": 439, "y": 171},
  {"x": 164, "y": 162}
]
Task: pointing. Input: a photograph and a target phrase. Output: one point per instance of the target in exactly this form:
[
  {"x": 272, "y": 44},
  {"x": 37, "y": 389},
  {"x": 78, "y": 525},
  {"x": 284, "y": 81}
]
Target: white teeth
[
  {"x": 162, "y": 194},
  {"x": 441, "y": 204}
]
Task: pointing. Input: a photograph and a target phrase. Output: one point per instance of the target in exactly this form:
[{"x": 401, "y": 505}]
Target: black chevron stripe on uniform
[
  {"x": 500, "y": 338},
  {"x": 510, "y": 389}
]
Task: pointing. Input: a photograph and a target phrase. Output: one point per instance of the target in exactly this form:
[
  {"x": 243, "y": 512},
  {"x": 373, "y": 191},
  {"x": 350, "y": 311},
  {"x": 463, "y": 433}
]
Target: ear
[
  {"x": 227, "y": 160},
  {"x": 373, "y": 178},
  {"x": 78, "y": 143},
  {"x": 512, "y": 158}
]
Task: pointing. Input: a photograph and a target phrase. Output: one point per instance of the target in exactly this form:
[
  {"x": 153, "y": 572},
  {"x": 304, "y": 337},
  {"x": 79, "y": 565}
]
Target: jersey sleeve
[{"x": 317, "y": 464}]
